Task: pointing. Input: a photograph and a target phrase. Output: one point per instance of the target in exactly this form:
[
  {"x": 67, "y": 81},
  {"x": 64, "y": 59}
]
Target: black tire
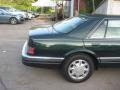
[
  {"x": 13, "y": 21},
  {"x": 74, "y": 58}
]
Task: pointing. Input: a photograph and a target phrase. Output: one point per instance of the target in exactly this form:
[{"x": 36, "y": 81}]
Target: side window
[
  {"x": 100, "y": 32},
  {"x": 113, "y": 29}
]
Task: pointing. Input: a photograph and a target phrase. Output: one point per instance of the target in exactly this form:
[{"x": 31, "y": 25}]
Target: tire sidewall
[{"x": 73, "y": 58}]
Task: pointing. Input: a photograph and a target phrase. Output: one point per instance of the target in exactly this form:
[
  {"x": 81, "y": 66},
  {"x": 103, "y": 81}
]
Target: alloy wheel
[{"x": 78, "y": 69}]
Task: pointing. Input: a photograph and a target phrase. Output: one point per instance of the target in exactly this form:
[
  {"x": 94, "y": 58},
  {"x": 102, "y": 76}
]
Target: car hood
[
  {"x": 18, "y": 13},
  {"x": 42, "y": 32},
  {"x": 13, "y": 13},
  {"x": 10, "y": 14}
]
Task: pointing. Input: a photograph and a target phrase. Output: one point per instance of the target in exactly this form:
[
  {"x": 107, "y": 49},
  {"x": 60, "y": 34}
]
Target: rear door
[
  {"x": 1, "y": 17},
  {"x": 4, "y": 17},
  {"x": 104, "y": 40}
]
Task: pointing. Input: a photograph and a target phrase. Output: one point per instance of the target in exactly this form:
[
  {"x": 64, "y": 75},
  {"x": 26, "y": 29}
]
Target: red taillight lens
[{"x": 31, "y": 50}]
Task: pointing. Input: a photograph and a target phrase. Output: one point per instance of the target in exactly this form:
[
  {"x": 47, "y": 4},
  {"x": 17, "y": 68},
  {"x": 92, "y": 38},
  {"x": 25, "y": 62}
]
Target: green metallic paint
[
  {"x": 57, "y": 47},
  {"x": 62, "y": 45},
  {"x": 104, "y": 48}
]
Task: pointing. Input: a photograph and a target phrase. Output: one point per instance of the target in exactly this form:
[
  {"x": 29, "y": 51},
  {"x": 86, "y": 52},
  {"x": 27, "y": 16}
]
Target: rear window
[{"x": 69, "y": 24}]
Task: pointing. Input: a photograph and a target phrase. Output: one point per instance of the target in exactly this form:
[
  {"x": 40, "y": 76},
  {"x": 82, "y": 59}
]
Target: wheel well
[
  {"x": 12, "y": 17},
  {"x": 95, "y": 61}
]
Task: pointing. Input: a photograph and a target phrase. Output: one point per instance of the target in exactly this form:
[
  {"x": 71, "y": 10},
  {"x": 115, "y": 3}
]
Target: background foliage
[
  {"x": 89, "y": 3},
  {"x": 26, "y": 5},
  {"x": 19, "y": 4}
]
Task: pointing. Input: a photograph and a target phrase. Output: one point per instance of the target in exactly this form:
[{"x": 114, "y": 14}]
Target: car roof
[{"x": 100, "y": 16}]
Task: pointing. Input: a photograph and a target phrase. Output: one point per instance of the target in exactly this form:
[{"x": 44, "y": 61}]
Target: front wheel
[
  {"x": 13, "y": 21},
  {"x": 78, "y": 68}
]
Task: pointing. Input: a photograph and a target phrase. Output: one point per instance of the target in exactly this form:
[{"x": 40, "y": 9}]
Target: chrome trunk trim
[{"x": 30, "y": 58}]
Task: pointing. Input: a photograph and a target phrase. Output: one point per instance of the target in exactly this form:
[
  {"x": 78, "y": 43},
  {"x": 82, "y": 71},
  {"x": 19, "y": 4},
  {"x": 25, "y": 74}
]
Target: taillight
[{"x": 31, "y": 50}]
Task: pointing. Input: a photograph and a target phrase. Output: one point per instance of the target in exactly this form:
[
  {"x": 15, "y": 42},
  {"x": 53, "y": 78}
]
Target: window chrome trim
[
  {"x": 101, "y": 58},
  {"x": 94, "y": 29}
]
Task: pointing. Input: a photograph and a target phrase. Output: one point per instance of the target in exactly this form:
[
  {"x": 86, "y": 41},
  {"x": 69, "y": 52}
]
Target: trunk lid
[{"x": 42, "y": 32}]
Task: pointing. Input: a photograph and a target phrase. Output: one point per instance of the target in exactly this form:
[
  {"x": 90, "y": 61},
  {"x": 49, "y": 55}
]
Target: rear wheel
[
  {"x": 13, "y": 21},
  {"x": 78, "y": 68}
]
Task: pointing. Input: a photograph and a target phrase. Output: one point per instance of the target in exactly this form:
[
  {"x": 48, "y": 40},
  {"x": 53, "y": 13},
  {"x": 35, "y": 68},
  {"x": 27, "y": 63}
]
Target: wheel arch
[
  {"x": 84, "y": 51},
  {"x": 12, "y": 17}
]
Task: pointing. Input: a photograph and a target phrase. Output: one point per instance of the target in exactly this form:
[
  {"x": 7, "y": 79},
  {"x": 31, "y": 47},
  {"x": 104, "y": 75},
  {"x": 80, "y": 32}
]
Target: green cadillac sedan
[{"x": 78, "y": 45}]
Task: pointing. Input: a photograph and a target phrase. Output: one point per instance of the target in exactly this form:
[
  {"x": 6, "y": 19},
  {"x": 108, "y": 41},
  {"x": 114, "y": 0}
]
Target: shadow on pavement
[{"x": 2, "y": 85}]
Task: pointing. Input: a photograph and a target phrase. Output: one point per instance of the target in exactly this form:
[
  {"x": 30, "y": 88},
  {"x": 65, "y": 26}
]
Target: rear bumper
[{"x": 28, "y": 59}]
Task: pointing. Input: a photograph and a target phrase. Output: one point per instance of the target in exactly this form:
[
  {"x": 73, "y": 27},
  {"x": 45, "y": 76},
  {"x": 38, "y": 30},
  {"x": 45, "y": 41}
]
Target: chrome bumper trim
[
  {"x": 109, "y": 58},
  {"x": 29, "y": 58}
]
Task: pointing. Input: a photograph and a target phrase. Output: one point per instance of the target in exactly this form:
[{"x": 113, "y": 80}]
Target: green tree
[
  {"x": 89, "y": 4},
  {"x": 19, "y": 4}
]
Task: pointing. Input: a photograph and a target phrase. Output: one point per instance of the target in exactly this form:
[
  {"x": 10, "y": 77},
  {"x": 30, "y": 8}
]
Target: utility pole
[
  {"x": 72, "y": 8},
  {"x": 93, "y": 4},
  {"x": 78, "y": 6},
  {"x": 63, "y": 13}
]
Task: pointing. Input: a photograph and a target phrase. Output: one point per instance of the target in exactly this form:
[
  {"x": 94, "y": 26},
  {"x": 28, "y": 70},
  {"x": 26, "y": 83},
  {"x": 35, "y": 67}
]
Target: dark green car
[{"x": 78, "y": 44}]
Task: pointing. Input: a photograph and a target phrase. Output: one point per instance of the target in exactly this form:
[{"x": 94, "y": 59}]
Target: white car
[{"x": 30, "y": 16}]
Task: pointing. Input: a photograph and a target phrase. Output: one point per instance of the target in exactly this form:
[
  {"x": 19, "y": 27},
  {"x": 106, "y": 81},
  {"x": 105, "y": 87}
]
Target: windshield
[
  {"x": 69, "y": 24},
  {"x": 11, "y": 9},
  {"x": 5, "y": 12}
]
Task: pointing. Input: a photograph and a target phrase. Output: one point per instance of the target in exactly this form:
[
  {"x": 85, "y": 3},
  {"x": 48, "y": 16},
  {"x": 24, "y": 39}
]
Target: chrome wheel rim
[
  {"x": 78, "y": 69},
  {"x": 13, "y": 21}
]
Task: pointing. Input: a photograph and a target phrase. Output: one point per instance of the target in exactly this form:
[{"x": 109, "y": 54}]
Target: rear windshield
[{"x": 69, "y": 24}]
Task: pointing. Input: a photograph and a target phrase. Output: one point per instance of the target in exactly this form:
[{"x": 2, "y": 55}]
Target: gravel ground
[{"x": 16, "y": 76}]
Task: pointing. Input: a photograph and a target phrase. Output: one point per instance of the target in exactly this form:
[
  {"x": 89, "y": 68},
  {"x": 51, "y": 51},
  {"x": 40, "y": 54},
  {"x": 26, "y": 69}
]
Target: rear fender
[{"x": 85, "y": 51}]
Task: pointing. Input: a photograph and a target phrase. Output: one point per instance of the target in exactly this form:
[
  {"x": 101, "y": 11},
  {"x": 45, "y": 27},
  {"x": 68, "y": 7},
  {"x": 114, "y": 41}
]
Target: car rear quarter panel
[{"x": 56, "y": 47}]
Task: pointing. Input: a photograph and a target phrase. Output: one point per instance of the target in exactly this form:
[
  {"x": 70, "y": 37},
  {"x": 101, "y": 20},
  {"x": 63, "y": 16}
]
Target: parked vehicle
[
  {"x": 14, "y": 11},
  {"x": 78, "y": 44},
  {"x": 30, "y": 15},
  {"x": 34, "y": 14},
  {"x": 6, "y": 17}
]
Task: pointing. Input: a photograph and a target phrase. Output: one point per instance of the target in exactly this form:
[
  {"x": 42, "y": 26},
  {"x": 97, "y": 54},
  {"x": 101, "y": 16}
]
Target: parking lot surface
[{"x": 16, "y": 76}]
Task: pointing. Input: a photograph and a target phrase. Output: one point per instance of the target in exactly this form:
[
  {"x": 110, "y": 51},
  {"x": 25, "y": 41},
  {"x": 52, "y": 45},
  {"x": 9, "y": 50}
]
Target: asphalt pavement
[{"x": 16, "y": 76}]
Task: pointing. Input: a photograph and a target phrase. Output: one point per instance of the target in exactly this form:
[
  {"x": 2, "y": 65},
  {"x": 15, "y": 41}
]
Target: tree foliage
[
  {"x": 19, "y": 4},
  {"x": 89, "y": 3},
  {"x": 26, "y": 4}
]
